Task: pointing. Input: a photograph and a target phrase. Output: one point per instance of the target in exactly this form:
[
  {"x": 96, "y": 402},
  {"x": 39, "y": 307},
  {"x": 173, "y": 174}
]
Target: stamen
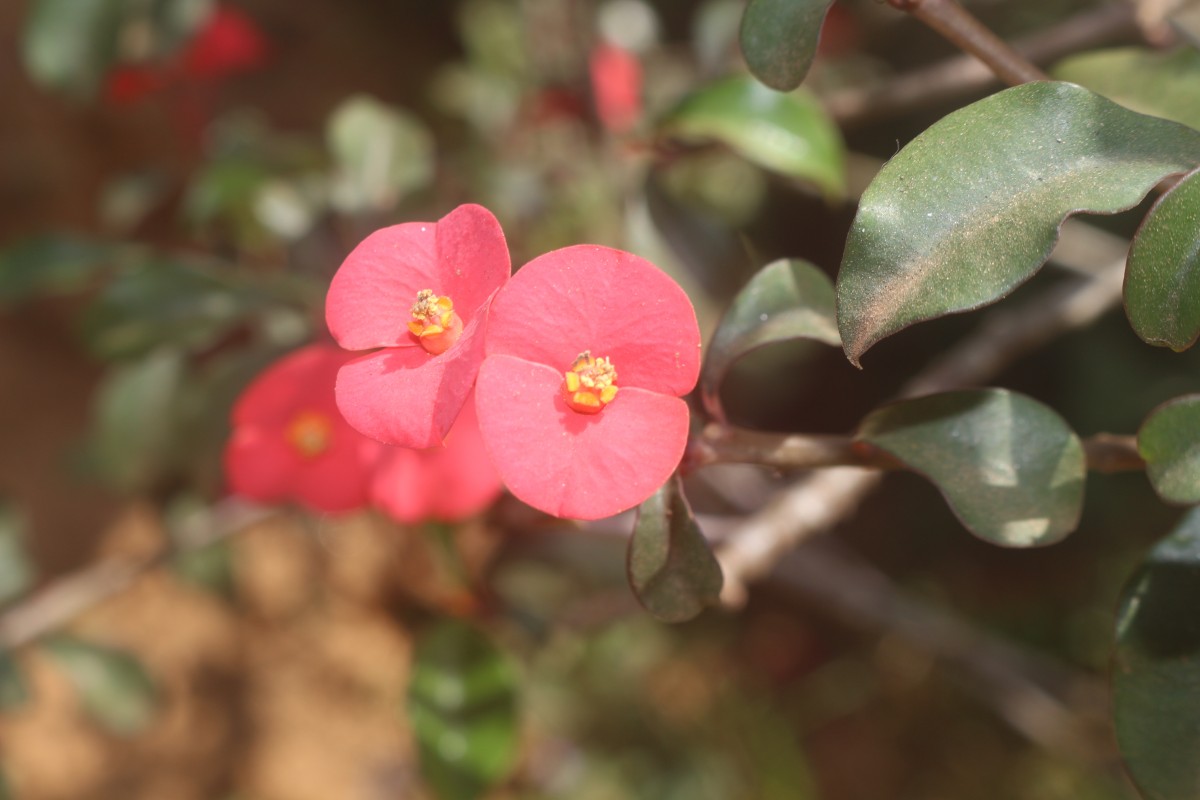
[
  {"x": 590, "y": 384},
  {"x": 311, "y": 433},
  {"x": 434, "y": 322}
]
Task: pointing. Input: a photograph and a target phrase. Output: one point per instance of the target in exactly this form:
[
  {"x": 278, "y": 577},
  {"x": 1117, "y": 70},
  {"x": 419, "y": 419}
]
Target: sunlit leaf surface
[
  {"x": 1010, "y": 468},
  {"x": 971, "y": 208}
]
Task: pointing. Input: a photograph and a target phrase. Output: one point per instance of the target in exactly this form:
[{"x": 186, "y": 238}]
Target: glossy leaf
[
  {"x": 69, "y": 44},
  {"x": 787, "y": 299},
  {"x": 113, "y": 686},
  {"x": 14, "y": 692},
  {"x": 971, "y": 208},
  {"x": 785, "y": 133},
  {"x": 1169, "y": 441},
  {"x": 1010, "y": 468},
  {"x": 671, "y": 569},
  {"x": 49, "y": 264},
  {"x": 381, "y": 154},
  {"x": 1162, "y": 278},
  {"x": 1147, "y": 80},
  {"x": 134, "y": 419},
  {"x": 16, "y": 572},
  {"x": 779, "y": 39},
  {"x": 462, "y": 705},
  {"x": 1156, "y": 668}
]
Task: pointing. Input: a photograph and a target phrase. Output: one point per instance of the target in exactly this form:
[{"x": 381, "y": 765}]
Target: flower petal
[
  {"x": 260, "y": 465},
  {"x": 338, "y": 480},
  {"x": 406, "y": 397},
  {"x": 302, "y": 378},
  {"x": 613, "y": 303},
  {"x": 578, "y": 466},
  {"x": 463, "y": 256},
  {"x": 444, "y": 483}
]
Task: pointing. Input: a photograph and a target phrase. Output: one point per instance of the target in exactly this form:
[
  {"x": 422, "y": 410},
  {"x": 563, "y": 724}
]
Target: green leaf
[
  {"x": 167, "y": 303},
  {"x": 1169, "y": 441},
  {"x": 1162, "y": 278},
  {"x": 113, "y": 686},
  {"x": 971, "y": 208},
  {"x": 1154, "y": 82},
  {"x": 14, "y": 692},
  {"x": 786, "y": 133},
  {"x": 1010, "y": 468},
  {"x": 49, "y": 264},
  {"x": 381, "y": 154},
  {"x": 69, "y": 44},
  {"x": 16, "y": 572},
  {"x": 1156, "y": 668},
  {"x": 134, "y": 419},
  {"x": 779, "y": 39},
  {"x": 462, "y": 705},
  {"x": 787, "y": 299},
  {"x": 671, "y": 569}
]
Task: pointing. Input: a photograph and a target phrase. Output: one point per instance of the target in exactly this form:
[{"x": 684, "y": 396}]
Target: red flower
[
  {"x": 447, "y": 484},
  {"x": 588, "y": 352},
  {"x": 421, "y": 292},
  {"x": 289, "y": 441},
  {"x": 616, "y": 86}
]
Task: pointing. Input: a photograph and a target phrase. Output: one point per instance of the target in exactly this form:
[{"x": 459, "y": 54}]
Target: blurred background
[{"x": 179, "y": 179}]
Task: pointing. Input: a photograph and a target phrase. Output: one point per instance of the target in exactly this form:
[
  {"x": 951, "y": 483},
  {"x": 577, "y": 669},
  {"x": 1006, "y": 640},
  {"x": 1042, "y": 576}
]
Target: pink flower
[
  {"x": 420, "y": 291},
  {"x": 289, "y": 441},
  {"x": 447, "y": 484},
  {"x": 588, "y": 353},
  {"x": 616, "y": 86}
]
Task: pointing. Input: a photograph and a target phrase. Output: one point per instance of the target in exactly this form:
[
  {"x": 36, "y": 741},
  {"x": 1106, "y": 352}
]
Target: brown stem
[
  {"x": 723, "y": 444},
  {"x": 961, "y": 28}
]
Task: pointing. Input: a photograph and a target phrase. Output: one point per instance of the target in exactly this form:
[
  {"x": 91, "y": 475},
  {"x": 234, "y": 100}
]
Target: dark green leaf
[
  {"x": 1162, "y": 280},
  {"x": 671, "y": 569},
  {"x": 1169, "y": 441},
  {"x": 49, "y": 264},
  {"x": 14, "y": 692},
  {"x": 779, "y": 39},
  {"x": 462, "y": 705},
  {"x": 1010, "y": 468},
  {"x": 134, "y": 419},
  {"x": 16, "y": 572},
  {"x": 112, "y": 684},
  {"x": 1156, "y": 668},
  {"x": 1148, "y": 81},
  {"x": 787, "y": 299},
  {"x": 69, "y": 44},
  {"x": 381, "y": 153},
  {"x": 971, "y": 208},
  {"x": 166, "y": 303},
  {"x": 786, "y": 133}
]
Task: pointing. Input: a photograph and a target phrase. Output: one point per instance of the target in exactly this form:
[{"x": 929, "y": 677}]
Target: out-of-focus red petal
[
  {"x": 613, "y": 303},
  {"x": 577, "y": 466},
  {"x": 129, "y": 84},
  {"x": 406, "y": 397},
  {"x": 229, "y": 42},
  {"x": 443, "y": 483},
  {"x": 302, "y": 379},
  {"x": 339, "y": 480},
  {"x": 260, "y": 464},
  {"x": 616, "y": 86},
  {"x": 462, "y": 256}
]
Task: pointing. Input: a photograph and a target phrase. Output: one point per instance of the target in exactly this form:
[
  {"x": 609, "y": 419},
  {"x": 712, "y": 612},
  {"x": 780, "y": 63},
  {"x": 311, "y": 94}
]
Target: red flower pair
[
  {"x": 290, "y": 443},
  {"x": 578, "y": 362}
]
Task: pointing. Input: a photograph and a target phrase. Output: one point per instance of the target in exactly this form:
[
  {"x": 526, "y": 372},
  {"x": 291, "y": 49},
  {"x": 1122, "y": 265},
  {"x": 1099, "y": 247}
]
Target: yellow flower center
[
  {"x": 590, "y": 384},
  {"x": 311, "y": 433},
  {"x": 434, "y": 323}
]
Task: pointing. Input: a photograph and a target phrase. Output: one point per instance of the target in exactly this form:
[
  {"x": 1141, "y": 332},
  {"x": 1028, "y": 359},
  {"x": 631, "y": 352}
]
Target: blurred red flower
[
  {"x": 290, "y": 443},
  {"x": 420, "y": 291},
  {"x": 446, "y": 484},
  {"x": 616, "y": 86},
  {"x": 589, "y": 350}
]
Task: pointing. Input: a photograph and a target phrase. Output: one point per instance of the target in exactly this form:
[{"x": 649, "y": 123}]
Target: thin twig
[
  {"x": 959, "y": 26},
  {"x": 962, "y": 76},
  {"x": 62, "y": 600}
]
